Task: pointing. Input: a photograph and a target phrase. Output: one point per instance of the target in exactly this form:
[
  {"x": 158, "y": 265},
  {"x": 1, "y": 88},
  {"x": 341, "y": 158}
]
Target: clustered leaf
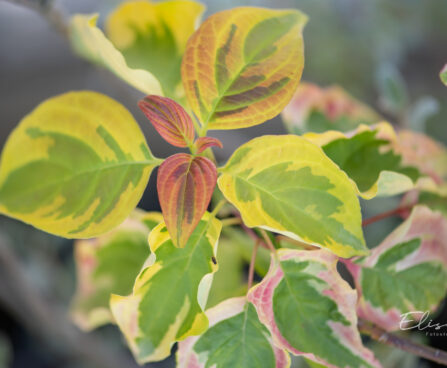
[
  {"x": 185, "y": 185},
  {"x": 170, "y": 293},
  {"x": 242, "y": 66},
  {"x": 317, "y": 109},
  {"x": 235, "y": 338},
  {"x": 288, "y": 185},
  {"x": 370, "y": 158},
  {"x": 109, "y": 264},
  {"x": 170, "y": 120},
  {"x": 78, "y": 164},
  {"x": 310, "y": 310},
  {"x": 406, "y": 273}
]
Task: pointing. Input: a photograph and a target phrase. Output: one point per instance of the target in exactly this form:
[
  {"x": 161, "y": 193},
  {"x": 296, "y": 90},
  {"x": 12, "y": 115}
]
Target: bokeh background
[{"x": 373, "y": 48}]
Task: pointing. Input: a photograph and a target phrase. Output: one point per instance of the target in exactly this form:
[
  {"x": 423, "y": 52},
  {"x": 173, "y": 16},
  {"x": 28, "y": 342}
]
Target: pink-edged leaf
[
  {"x": 235, "y": 338},
  {"x": 310, "y": 310},
  {"x": 185, "y": 185},
  {"x": 406, "y": 273},
  {"x": 203, "y": 143},
  {"x": 169, "y": 118}
]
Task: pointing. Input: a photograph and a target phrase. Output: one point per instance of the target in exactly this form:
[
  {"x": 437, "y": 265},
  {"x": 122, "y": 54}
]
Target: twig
[
  {"x": 251, "y": 268},
  {"x": 46, "y": 320},
  {"x": 402, "y": 343},
  {"x": 230, "y": 221},
  {"x": 268, "y": 241},
  {"x": 383, "y": 215},
  {"x": 46, "y": 10}
]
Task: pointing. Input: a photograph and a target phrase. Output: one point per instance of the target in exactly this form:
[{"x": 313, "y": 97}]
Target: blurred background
[{"x": 362, "y": 45}]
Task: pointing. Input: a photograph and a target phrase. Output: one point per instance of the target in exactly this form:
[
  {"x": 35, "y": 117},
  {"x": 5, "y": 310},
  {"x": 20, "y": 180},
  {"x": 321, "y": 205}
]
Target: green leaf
[
  {"x": 368, "y": 156},
  {"x": 89, "y": 42},
  {"x": 443, "y": 74},
  {"x": 109, "y": 264},
  {"x": 316, "y": 109},
  {"x": 152, "y": 36},
  {"x": 229, "y": 280},
  {"x": 310, "y": 310},
  {"x": 406, "y": 272},
  {"x": 170, "y": 293},
  {"x": 76, "y": 166},
  {"x": 288, "y": 185},
  {"x": 236, "y": 339},
  {"x": 242, "y": 66}
]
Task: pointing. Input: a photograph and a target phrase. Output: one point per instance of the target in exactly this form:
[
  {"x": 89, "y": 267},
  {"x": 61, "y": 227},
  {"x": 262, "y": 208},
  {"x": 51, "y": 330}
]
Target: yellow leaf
[{"x": 89, "y": 42}]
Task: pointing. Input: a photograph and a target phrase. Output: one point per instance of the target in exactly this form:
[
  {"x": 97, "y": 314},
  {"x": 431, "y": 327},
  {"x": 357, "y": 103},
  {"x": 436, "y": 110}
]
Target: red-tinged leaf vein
[
  {"x": 185, "y": 185},
  {"x": 170, "y": 119}
]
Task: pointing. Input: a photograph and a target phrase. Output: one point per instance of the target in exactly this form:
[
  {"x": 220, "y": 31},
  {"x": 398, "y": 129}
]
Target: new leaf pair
[{"x": 185, "y": 182}]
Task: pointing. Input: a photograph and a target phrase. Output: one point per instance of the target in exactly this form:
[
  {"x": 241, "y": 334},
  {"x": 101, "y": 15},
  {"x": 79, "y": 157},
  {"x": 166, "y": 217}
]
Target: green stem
[
  {"x": 218, "y": 207},
  {"x": 231, "y": 221}
]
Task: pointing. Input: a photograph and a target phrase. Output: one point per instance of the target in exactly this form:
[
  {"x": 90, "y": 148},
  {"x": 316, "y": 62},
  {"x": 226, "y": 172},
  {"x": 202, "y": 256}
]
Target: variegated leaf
[
  {"x": 310, "y": 310},
  {"x": 89, "y": 42},
  {"x": 202, "y": 143},
  {"x": 169, "y": 119},
  {"x": 368, "y": 156},
  {"x": 152, "y": 36},
  {"x": 423, "y": 152},
  {"x": 185, "y": 185},
  {"x": 109, "y": 264},
  {"x": 170, "y": 293},
  {"x": 288, "y": 185},
  {"x": 235, "y": 339},
  {"x": 443, "y": 74},
  {"x": 242, "y": 66},
  {"x": 316, "y": 109},
  {"x": 76, "y": 166},
  {"x": 406, "y": 273}
]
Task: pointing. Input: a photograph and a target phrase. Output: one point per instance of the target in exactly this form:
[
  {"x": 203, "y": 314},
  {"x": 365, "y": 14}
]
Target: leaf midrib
[{"x": 85, "y": 172}]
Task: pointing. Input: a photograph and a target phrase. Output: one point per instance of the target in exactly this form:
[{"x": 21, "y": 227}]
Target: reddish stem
[
  {"x": 383, "y": 215},
  {"x": 402, "y": 343},
  {"x": 251, "y": 269}
]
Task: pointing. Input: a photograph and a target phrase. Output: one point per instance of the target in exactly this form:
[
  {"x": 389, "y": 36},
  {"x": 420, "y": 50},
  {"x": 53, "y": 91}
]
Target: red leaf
[
  {"x": 170, "y": 119},
  {"x": 185, "y": 185},
  {"x": 203, "y": 143}
]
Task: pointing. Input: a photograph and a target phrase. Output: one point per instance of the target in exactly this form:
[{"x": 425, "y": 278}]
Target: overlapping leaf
[
  {"x": 369, "y": 158},
  {"x": 407, "y": 272},
  {"x": 152, "y": 36},
  {"x": 170, "y": 294},
  {"x": 185, "y": 185},
  {"x": 423, "y": 152},
  {"x": 443, "y": 74},
  {"x": 242, "y": 66},
  {"x": 288, "y": 185},
  {"x": 76, "y": 166},
  {"x": 202, "y": 143},
  {"x": 169, "y": 119},
  {"x": 236, "y": 339},
  {"x": 316, "y": 109},
  {"x": 310, "y": 310},
  {"x": 89, "y": 42},
  {"x": 109, "y": 264}
]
